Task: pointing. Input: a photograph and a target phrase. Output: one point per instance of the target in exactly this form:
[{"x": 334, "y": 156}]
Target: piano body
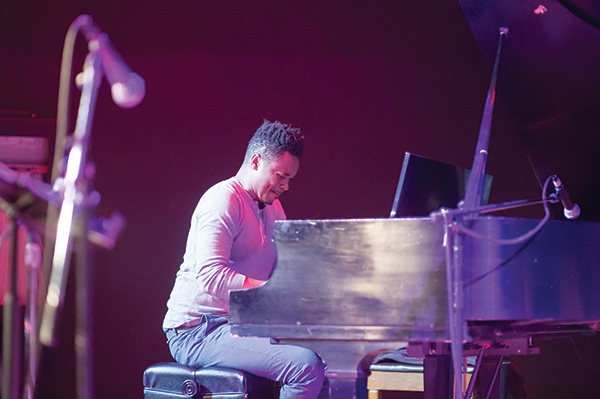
[{"x": 349, "y": 289}]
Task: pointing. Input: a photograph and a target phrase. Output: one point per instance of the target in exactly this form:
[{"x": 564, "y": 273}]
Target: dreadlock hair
[{"x": 272, "y": 139}]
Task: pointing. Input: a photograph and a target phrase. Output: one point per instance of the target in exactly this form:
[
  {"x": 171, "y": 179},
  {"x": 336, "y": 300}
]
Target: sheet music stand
[{"x": 426, "y": 185}]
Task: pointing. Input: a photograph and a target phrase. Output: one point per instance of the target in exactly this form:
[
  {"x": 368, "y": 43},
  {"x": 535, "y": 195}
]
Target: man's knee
[{"x": 313, "y": 364}]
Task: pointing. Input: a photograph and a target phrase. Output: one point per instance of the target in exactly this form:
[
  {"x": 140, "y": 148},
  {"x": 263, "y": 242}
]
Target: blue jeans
[{"x": 211, "y": 344}]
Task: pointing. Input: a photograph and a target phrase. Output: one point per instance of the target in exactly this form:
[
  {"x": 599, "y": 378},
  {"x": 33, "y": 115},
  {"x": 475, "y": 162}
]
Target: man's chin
[{"x": 269, "y": 200}]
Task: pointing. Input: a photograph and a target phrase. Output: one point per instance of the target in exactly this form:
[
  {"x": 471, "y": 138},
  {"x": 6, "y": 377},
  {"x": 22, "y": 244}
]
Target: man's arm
[{"x": 217, "y": 221}]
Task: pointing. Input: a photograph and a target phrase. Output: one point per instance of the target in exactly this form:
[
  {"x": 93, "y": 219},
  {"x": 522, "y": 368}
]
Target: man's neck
[{"x": 243, "y": 177}]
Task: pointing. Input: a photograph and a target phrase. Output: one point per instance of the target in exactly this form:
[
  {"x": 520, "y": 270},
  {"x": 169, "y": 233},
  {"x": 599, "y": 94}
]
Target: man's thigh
[{"x": 256, "y": 355}]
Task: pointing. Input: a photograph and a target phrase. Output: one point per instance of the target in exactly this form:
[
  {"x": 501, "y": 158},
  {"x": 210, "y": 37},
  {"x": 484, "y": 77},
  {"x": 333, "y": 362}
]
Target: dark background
[{"x": 365, "y": 81}]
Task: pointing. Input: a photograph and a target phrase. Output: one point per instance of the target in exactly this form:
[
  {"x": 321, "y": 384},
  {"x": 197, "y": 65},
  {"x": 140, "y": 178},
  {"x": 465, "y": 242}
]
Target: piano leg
[{"x": 437, "y": 377}]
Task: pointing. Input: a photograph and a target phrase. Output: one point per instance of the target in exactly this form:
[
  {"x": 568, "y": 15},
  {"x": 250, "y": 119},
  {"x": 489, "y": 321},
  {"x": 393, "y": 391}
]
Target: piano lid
[{"x": 549, "y": 79}]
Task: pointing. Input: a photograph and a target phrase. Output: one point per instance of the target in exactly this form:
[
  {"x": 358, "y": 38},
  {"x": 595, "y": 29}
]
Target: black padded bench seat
[{"x": 174, "y": 381}]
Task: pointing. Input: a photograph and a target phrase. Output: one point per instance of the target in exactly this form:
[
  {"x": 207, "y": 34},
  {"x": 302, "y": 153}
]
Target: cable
[
  {"x": 578, "y": 353},
  {"x": 521, "y": 238}
]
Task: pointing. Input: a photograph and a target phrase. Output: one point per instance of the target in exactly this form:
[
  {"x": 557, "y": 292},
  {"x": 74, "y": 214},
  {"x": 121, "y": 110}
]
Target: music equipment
[{"x": 21, "y": 155}]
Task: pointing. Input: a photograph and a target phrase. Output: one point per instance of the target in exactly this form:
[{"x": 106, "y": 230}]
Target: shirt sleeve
[{"x": 217, "y": 221}]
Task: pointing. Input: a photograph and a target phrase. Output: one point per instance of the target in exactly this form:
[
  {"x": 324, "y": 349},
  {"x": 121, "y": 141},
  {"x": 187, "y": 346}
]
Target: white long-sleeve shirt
[{"x": 229, "y": 239}]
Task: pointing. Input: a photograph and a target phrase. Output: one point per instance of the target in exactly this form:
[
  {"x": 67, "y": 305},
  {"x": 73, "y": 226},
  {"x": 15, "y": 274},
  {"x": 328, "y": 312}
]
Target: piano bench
[
  {"x": 174, "y": 381},
  {"x": 392, "y": 376},
  {"x": 397, "y": 377}
]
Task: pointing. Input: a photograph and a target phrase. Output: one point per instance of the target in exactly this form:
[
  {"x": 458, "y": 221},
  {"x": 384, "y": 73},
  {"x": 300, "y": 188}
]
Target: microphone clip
[{"x": 571, "y": 210}]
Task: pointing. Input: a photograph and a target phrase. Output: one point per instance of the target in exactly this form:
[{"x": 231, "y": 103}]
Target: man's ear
[{"x": 255, "y": 160}]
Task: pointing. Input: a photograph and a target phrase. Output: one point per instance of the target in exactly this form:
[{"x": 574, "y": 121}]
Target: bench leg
[{"x": 374, "y": 394}]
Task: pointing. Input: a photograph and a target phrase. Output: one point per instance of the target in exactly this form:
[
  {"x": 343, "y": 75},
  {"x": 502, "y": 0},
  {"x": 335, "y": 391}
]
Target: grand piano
[{"x": 350, "y": 289}]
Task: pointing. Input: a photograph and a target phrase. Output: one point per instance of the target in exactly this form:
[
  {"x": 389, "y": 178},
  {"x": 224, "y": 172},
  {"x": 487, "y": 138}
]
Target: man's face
[{"x": 273, "y": 178}]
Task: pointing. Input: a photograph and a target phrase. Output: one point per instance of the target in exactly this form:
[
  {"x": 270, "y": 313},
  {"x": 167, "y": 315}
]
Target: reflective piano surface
[{"x": 350, "y": 289}]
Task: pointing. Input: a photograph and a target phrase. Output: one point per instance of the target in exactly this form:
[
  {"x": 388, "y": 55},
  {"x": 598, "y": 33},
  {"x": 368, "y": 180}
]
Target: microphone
[
  {"x": 571, "y": 210},
  {"x": 127, "y": 88}
]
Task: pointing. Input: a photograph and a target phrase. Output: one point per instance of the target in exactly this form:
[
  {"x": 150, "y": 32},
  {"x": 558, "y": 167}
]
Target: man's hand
[{"x": 251, "y": 283}]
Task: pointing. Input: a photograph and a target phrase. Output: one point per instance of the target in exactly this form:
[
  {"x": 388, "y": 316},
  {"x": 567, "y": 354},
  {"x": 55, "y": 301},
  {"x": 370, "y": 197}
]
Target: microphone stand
[
  {"x": 485, "y": 209},
  {"x": 73, "y": 212},
  {"x": 74, "y": 199}
]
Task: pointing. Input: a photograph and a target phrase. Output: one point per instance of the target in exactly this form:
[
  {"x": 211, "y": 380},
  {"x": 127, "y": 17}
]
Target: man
[{"x": 230, "y": 247}]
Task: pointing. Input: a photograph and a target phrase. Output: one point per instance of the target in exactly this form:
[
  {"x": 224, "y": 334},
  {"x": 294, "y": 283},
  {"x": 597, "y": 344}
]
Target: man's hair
[{"x": 272, "y": 139}]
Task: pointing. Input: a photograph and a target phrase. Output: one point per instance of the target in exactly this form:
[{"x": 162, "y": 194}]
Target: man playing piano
[{"x": 230, "y": 247}]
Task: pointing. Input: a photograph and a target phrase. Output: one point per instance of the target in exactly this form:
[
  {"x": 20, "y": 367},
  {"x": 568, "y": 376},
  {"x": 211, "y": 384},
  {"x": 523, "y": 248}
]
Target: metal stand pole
[
  {"x": 33, "y": 260},
  {"x": 12, "y": 340},
  {"x": 83, "y": 318},
  {"x": 73, "y": 210}
]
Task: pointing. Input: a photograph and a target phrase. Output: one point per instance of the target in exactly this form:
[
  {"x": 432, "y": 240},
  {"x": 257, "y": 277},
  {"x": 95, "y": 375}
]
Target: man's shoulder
[
  {"x": 224, "y": 187},
  {"x": 222, "y": 191},
  {"x": 224, "y": 196}
]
